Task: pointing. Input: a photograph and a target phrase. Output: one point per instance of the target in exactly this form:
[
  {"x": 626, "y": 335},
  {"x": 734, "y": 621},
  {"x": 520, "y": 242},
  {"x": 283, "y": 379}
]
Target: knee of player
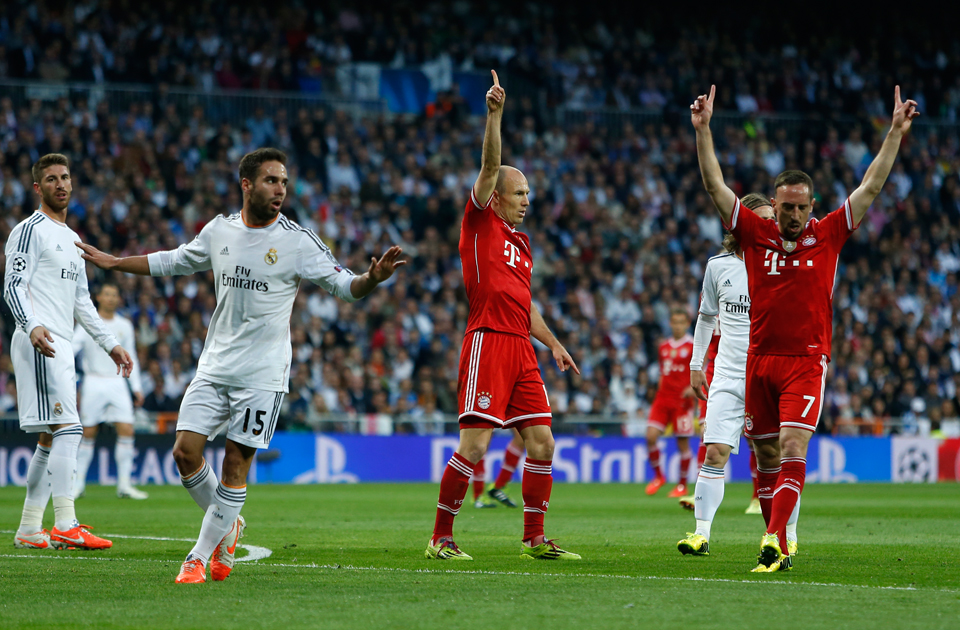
[
  {"x": 187, "y": 461},
  {"x": 716, "y": 457},
  {"x": 541, "y": 447}
]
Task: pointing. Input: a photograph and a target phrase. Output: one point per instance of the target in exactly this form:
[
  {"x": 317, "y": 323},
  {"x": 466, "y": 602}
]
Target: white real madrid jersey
[
  {"x": 725, "y": 294},
  {"x": 45, "y": 283},
  {"x": 257, "y": 272},
  {"x": 97, "y": 363}
]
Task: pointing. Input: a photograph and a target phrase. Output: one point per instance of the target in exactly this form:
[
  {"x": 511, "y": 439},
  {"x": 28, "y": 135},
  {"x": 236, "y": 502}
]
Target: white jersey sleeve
[
  {"x": 702, "y": 336},
  {"x": 317, "y": 264},
  {"x": 188, "y": 258},
  {"x": 86, "y": 315},
  {"x": 21, "y": 250},
  {"x": 709, "y": 297}
]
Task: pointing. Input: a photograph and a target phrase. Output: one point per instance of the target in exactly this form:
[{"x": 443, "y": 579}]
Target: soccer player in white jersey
[
  {"x": 725, "y": 296},
  {"x": 104, "y": 397},
  {"x": 45, "y": 286},
  {"x": 258, "y": 258}
]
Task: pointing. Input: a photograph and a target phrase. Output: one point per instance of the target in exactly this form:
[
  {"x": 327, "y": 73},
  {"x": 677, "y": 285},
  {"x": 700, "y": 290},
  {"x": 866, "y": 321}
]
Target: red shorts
[
  {"x": 673, "y": 411},
  {"x": 500, "y": 384},
  {"x": 783, "y": 391}
]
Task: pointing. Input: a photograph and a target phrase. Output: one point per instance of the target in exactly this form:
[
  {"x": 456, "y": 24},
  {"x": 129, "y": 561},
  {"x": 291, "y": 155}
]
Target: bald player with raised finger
[{"x": 499, "y": 383}]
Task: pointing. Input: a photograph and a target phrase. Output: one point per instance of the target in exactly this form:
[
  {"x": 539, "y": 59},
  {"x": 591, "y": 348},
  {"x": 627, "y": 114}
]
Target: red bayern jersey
[
  {"x": 497, "y": 265},
  {"x": 712, "y": 351},
  {"x": 674, "y": 366},
  {"x": 791, "y": 282}
]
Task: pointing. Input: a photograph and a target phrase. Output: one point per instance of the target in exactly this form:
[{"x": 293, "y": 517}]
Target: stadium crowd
[
  {"x": 621, "y": 226},
  {"x": 574, "y": 54}
]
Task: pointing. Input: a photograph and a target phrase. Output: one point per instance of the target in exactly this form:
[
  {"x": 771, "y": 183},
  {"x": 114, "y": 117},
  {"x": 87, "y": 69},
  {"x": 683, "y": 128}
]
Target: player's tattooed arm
[
  {"x": 700, "y": 114},
  {"x": 379, "y": 271},
  {"x": 876, "y": 176},
  {"x": 490, "y": 160},
  {"x": 130, "y": 264},
  {"x": 541, "y": 332}
]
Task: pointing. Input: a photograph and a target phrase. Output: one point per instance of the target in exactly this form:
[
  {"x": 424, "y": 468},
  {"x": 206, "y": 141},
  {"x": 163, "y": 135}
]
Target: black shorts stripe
[
  {"x": 273, "y": 417},
  {"x": 40, "y": 374}
]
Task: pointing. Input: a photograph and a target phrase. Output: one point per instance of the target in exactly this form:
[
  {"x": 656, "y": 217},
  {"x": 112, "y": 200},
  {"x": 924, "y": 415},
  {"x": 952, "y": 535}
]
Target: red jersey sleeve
[
  {"x": 474, "y": 203},
  {"x": 838, "y": 225},
  {"x": 744, "y": 224}
]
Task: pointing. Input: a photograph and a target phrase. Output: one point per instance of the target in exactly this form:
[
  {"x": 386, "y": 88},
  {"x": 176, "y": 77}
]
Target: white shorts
[
  {"x": 725, "y": 407},
  {"x": 250, "y": 415},
  {"x": 105, "y": 399},
  {"x": 46, "y": 388}
]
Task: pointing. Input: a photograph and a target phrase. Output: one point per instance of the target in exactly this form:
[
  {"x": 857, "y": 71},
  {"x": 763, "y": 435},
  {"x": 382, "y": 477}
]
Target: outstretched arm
[
  {"x": 131, "y": 264},
  {"x": 875, "y": 177},
  {"x": 541, "y": 332},
  {"x": 379, "y": 271},
  {"x": 490, "y": 160},
  {"x": 700, "y": 114}
]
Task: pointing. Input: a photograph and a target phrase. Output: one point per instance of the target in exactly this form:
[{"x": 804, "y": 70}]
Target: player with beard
[
  {"x": 258, "y": 258},
  {"x": 791, "y": 269},
  {"x": 45, "y": 286}
]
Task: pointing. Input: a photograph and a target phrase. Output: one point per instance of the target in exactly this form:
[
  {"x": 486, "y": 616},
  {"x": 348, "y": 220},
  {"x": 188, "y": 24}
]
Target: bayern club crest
[
  {"x": 807, "y": 242},
  {"x": 748, "y": 422},
  {"x": 483, "y": 400}
]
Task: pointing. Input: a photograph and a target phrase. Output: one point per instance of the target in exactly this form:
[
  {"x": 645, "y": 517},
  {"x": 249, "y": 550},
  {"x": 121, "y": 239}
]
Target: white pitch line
[
  {"x": 254, "y": 553},
  {"x": 337, "y": 567}
]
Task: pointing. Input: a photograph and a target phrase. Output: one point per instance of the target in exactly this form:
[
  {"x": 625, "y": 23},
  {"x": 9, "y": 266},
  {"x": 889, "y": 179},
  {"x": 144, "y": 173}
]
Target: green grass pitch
[{"x": 871, "y": 556}]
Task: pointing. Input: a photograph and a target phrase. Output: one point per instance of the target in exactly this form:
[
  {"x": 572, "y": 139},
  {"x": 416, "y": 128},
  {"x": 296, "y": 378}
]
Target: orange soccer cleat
[
  {"x": 221, "y": 563},
  {"x": 655, "y": 485},
  {"x": 192, "y": 572},
  {"x": 679, "y": 491},
  {"x": 39, "y": 540},
  {"x": 77, "y": 537}
]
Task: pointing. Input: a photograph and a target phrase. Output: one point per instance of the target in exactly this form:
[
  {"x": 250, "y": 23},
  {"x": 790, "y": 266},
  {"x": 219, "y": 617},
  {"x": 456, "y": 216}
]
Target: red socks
[
  {"x": 793, "y": 472},
  {"x": 453, "y": 487},
  {"x": 753, "y": 473},
  {"x": 685, "y": 466},
  {"x": 536, "y": 486},
  {"x": 479, "y": 471},
  {"x": 510, "y": 459},
  {"x": 654, "y": 458},
  {"x": 766, "y": 484}
]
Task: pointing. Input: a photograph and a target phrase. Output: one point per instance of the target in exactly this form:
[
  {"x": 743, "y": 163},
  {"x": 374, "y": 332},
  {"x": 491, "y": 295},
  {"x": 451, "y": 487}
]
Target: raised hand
[
  {"x": 702, "y": 109},
  {"x": 903, "y": 113},
  {"x": 495, "y": 95},
  {"x": 382, "y": 269}
]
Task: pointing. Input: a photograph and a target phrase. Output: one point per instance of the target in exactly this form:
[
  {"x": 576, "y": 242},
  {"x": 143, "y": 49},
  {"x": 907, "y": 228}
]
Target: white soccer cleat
[
  {"x": 131, "y": 493},
  {"x": 38, "y": 540}
]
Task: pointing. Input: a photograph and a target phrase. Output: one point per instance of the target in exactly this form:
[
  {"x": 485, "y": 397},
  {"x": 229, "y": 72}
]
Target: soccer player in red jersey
[
  {"x": 791, "y": 269},
  {"x": 500, "y": 383},
  {"x": 674, "y": 403}
]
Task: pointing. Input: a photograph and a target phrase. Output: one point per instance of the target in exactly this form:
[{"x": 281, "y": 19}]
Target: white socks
[
  {"x": 707, "y": 498},
  {"x": 38, "y": 492},
  {"x": 217, "y": 522},
  {"x": 62, "y": 471},
  {"x": 123, "y": 452},
  {"x": 84, "y": 457},
  {"x": 792, "y": 523},
  {"x": 202, "y": 485}
]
